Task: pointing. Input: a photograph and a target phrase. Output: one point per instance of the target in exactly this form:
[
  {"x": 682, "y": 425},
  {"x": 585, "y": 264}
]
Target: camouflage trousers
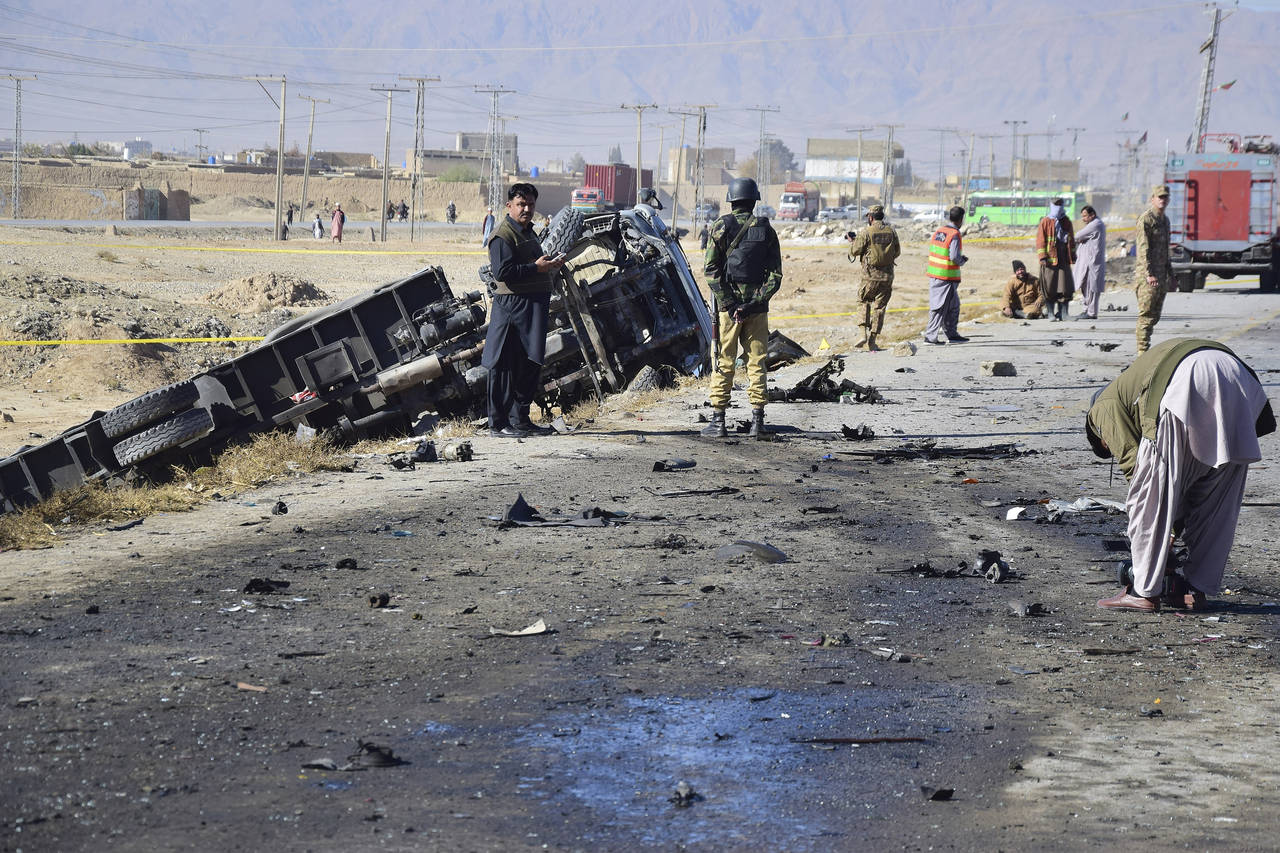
[
  {"x": 874, "y": 296},
  {"x": 1150, "y": 304},
  {"x": 753, "y": 334}
]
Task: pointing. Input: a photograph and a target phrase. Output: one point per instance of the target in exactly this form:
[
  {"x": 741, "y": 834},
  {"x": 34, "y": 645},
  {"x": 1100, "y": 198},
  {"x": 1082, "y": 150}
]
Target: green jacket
[
  {"x": 754, "y": 298},
  {"x": 1128, "y": 409}
]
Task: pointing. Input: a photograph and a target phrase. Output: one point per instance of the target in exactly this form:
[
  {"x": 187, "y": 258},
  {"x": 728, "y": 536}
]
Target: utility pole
[
  {"x": 418, "y": 143},
  {"x": 968, "y": 174},
  {"x": 494, "y": 145},
  {"x": 639, "y": 108},
  {"x": 1210, "y": 50},
  {"x": 15, "y": 198},
  {"x": 279, "y": 153},
  {"x": 886, "y": 187},
  {"x": 1075, "y": 139},
  {"x": 386, "y": 157},
  {"x": 1048, "y": 144},
  {"x": 700, "y": 112},
  {"x": 1013, "y": 149},
  {"x": 857, "y": 180},
  {"x": 306, "y": 166},
  {"x": 764, "y": 168},
  {"x": 200, "y": 148},
  {"x": 699, "y": 186},
  {"x": 680, "y": 167},
  {"x": 942, "y": 133}
]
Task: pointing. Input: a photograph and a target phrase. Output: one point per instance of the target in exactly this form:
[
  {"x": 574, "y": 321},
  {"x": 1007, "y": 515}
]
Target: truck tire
[
  {"x": 165, "y": 435},
  {"x": 1186, "y": 281},
  {"x": 1267, "y": 281},
  {"x": 149, "y": 408},
  {"x": 564, "y": 231}
]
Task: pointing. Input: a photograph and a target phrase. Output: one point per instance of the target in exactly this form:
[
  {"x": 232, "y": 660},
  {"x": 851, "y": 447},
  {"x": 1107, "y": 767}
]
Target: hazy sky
[{"x": 112, "y": 70}]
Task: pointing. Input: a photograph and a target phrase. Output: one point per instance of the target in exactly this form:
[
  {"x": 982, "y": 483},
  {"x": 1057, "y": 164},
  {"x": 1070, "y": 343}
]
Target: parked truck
[
  {"x": 617, "y": 183},
  {"x": 799, "y": 202},
  {"x": 384, "y": 360},
  {"x": 1222, "y": 211}
]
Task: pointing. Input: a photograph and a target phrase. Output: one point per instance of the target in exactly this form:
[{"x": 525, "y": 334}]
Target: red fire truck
[{"x": 1222, "y": 209}]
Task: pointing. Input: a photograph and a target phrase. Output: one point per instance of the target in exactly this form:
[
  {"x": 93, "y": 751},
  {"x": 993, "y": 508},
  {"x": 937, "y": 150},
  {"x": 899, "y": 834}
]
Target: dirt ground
[{"x": 149, "y": 702}]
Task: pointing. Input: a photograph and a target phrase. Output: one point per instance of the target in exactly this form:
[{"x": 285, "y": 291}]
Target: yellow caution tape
[
  {"x": 121, "y": 246},
  {"x": 59, "y": 343},
  {"x": 859, "y": 313}
]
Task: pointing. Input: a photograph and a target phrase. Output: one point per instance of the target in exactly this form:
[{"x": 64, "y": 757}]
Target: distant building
[
  {"x": 346, "y": 159},
  {"x": 470, "y": 150},
  {"x": 715, "y": 162},
  {"x": 132, "y": 150},
  {"x": 1045, "y": 174},
  {"x": 836, "y": 161}
]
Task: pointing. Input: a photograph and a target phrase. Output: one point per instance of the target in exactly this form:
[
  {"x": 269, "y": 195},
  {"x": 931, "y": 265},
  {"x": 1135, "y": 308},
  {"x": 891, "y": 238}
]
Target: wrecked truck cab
[{"x": 376, "y": 363}]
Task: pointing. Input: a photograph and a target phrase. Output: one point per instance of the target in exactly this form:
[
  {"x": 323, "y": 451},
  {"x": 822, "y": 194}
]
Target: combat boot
[
  {"x": 757, "y": 424},
  {"x": 866, "y": 336},
  {"x": 716, "y": 429},
  {"x": 871, "y": 343}
]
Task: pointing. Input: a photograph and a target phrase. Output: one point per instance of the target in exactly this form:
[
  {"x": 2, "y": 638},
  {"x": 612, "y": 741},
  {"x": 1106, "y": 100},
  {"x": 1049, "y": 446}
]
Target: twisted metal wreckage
[{"x": 378, "y": 363}]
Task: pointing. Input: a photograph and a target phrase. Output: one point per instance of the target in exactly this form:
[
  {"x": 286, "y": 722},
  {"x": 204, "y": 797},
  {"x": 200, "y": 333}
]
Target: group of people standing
[{"x": 1070, "y": 260}]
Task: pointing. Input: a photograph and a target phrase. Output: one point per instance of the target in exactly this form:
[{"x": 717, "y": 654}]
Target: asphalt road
[{"x": 181, "y": 711}]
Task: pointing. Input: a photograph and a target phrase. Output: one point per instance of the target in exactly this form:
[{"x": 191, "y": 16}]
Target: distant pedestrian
[
  {"x": 402, "y": 211},
  {"x": 1153, "y": 272},
  {"x": 703, "y": 236},
  {"x": 487, "y": 228},
  {"x": 288, "y": 215},
  {"x": 1056, "y": 246},
  {"x": 1091, "y": 266},
  {"x": 317, "y": 228},
  {"x": 335, "y": 226},
  {"x": 945, "y": 260},
  {"x": 451, "y": 213}
]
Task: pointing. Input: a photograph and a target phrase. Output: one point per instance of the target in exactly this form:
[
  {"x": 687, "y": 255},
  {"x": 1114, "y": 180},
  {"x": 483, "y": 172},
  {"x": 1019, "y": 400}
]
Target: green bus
[{"x": 1014, "y": 207}]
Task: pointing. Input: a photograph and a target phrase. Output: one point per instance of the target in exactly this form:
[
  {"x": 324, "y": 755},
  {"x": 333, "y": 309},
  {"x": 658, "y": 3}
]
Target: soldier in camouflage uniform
[
  {"x": 744, "y": 270},
  {"x": 1154, "y": 274},
  {"x": 877, "y": 247}
]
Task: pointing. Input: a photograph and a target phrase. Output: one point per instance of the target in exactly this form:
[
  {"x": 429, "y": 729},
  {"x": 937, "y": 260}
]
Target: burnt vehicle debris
[{"x": 377, "y": 363}]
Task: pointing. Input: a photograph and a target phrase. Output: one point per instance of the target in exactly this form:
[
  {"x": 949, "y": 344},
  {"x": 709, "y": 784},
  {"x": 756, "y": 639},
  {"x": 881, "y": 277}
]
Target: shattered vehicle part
[
  {"x": 820, "y": 387},
  {"x": 928, "y": 450},
  {"x": 376, "y": 363},
  {"x": 782, "y": 351}
]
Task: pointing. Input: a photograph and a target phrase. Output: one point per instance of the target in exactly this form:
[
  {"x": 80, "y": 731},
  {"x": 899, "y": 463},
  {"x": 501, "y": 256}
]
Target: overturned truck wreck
[{"x": 377, "y": 363}]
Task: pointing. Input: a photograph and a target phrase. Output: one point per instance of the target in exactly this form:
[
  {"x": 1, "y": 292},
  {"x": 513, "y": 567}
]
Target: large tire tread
[
  {"x": 164, "y": 436},
  {"x": 149, "y": 408},
  {"x": 564, "y": 231}
]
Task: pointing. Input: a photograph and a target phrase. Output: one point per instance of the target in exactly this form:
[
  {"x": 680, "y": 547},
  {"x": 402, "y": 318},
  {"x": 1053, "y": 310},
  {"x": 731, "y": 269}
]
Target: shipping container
[{"x": 617, "y": 181}]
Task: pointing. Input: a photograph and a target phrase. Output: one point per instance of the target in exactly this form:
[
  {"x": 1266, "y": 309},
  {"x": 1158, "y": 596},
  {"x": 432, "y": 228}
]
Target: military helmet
[{"x": 743, "y": 189}]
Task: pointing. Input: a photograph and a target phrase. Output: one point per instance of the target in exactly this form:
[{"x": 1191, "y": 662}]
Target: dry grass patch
[{"x": 267, "y": 457}]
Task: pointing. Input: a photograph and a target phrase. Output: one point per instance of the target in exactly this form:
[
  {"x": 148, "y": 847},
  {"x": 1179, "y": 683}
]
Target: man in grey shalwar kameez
[
  {"x": 1090, "y": 269},
  {"x": 1183, "y": 423}
]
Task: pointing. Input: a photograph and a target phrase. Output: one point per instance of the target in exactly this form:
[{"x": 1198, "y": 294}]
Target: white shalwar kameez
[{"x": 1194, "y": 472}]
